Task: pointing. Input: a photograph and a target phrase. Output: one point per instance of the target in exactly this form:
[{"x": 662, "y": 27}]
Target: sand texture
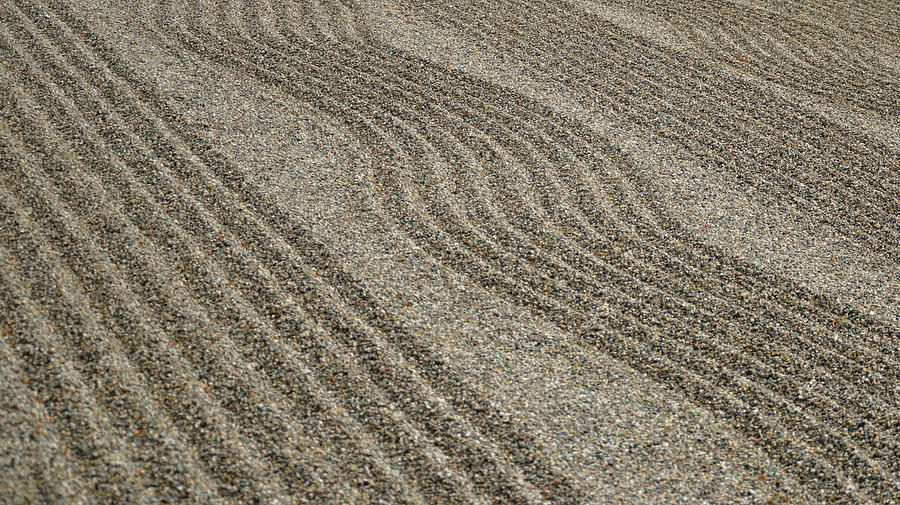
[{"x": 449, "y": 251}]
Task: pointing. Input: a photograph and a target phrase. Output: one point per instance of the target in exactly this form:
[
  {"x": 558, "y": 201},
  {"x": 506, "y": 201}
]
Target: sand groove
[{"x": 183, "y": 319}]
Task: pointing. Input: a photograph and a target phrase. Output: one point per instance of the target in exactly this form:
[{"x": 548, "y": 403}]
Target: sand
[{"x": 394, "y": 251}]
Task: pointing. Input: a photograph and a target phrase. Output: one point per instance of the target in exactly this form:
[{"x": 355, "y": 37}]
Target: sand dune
[{"x": 342, "y": 251}]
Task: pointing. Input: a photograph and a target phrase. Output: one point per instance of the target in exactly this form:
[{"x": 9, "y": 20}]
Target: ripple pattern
[{"x": 394, "y": 251}]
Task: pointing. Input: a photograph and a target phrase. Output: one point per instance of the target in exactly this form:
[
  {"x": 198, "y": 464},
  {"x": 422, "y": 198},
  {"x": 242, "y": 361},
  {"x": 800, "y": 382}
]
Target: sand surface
[{"x": 457, "y": 251}]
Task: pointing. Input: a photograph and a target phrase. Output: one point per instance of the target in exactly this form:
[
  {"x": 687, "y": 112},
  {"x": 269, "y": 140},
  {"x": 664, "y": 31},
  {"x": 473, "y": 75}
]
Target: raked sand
[{"x": 460, "y": 251}]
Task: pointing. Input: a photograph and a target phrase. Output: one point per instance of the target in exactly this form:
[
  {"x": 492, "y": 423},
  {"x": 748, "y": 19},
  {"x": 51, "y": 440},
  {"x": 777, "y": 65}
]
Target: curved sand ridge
[{"x": 465, "y": 252}]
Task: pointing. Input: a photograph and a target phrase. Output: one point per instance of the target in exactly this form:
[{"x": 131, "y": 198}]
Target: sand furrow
[
  {"x": 331, "y": 251},
  {"x": 612, "y": 88},
  {"x": 103, "y": 384},
  {"x": 178, "y": 236},
  {"x": 476, "y": 240}
]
